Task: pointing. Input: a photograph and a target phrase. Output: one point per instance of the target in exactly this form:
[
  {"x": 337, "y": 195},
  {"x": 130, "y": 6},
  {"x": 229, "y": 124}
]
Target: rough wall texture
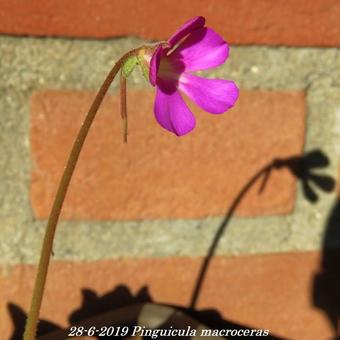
[
  {"x": 289, "y": 107},
  {"x": 288, "y": 22},
  {"x": 160, "y": 175}
]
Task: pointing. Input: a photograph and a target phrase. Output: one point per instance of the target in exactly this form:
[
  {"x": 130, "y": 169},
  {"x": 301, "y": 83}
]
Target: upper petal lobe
[
  {"x": 201, "y": 50},
  {"x": 188, "y": 27}
]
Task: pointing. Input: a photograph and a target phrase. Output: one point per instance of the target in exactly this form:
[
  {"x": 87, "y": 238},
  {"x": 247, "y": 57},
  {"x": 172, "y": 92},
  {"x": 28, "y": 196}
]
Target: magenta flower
[{"x": 192, "y": 48}]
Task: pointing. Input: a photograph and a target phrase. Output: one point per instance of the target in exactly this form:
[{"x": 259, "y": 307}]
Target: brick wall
[{"x": 140, "y": 218}]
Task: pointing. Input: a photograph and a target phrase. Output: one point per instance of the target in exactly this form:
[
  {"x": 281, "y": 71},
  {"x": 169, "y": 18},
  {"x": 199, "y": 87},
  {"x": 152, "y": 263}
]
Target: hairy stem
[
  {"x": 123, "y": 105},
  {"x": 33, "y": 315}
]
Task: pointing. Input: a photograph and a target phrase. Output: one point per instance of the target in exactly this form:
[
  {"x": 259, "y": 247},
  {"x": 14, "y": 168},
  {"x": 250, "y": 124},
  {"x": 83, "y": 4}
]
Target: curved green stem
[{"x": 33, "y": 315}]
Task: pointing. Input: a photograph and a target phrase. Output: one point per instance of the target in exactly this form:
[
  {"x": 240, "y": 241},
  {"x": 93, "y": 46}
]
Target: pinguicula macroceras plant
[{"x": 170, "y": 67}]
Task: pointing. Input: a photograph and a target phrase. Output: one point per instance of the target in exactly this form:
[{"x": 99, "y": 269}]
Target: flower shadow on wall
[{"x": 302, "y": 167}]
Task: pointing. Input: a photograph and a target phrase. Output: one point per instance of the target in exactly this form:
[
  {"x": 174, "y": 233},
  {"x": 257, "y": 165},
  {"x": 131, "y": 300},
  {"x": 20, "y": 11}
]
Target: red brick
[
  {"x": 158, "y": 175},
  {"x": 280, "y": 22},
  {"x": 265, "y": 291}
]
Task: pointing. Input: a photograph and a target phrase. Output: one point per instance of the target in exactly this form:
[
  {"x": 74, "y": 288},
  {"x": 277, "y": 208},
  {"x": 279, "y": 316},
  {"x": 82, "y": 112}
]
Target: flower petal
[
  {"x": 212, "y": 95},
  {"x": 172, "y": 113},
  {"x": 201, "y": 50},
  {"x": 154, "y": 64},
  {"x": 188, "y": 27}
]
